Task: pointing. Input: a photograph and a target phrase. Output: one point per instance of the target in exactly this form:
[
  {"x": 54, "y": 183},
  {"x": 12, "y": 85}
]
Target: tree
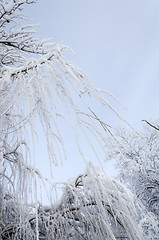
[
  {"x": 37, "y": 82},
  {"x": 92, "y": 207},
  {"x": 137, "y": 158}
]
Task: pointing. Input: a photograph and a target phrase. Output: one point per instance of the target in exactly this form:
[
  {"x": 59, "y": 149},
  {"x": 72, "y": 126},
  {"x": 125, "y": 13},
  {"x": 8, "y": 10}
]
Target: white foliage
[
  {"x": 137, "y": 158},
  {"x": 92, "y": 207}
]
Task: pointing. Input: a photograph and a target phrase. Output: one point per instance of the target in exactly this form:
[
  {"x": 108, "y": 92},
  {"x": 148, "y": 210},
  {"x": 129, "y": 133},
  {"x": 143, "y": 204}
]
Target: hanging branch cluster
[
  {"x": 92, "y": 207},
  {"x": 37, "y": 80}
]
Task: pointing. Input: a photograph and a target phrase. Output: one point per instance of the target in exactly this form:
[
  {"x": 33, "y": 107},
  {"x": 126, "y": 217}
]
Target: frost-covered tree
[
  {"x": 137, "y": 158},
  {"x": 37, "y": 82},
  {"x": 92, "y": 207}
]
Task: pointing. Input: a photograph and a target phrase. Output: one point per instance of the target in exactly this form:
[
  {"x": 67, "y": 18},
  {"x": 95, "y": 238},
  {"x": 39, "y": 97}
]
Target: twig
[{"x": 151, "y": 125}]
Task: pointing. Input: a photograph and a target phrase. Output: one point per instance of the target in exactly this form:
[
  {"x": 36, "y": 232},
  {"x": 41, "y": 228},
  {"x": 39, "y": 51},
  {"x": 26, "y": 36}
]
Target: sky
[{"x": 116, "y": 43}]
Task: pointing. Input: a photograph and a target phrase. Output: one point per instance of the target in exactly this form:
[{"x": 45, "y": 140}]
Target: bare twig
[{"x": 151, "y": 125}]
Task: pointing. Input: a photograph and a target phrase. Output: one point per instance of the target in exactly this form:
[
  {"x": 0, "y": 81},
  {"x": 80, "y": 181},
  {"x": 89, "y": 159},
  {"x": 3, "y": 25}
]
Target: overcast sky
[{"x": 116, "y": 44}]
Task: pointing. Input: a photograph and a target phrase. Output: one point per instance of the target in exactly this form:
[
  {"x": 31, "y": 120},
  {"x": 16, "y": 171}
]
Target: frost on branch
[
  {"x": 50, "y": 87},
  {"x": 137, "y": 159},
  {"x": 37, "y": 81},
  {"x": 92, "y": 207}
]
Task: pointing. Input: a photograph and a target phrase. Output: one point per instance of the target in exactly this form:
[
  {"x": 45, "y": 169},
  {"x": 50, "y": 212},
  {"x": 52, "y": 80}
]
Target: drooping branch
[{"x": 32, "y": 64}]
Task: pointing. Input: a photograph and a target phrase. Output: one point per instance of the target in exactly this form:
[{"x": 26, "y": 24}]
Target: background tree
[{"x": 137, "y": 159}]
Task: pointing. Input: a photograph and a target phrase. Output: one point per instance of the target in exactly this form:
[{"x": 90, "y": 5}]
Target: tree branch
[
  {"x": 32, "y": 65},
  {"x": 151, "y": 125},
  {"x": 14, "y": 45}
]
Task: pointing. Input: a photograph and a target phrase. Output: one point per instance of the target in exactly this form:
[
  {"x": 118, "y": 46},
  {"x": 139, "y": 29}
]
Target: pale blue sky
[{"x": 116, "y": 44}]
